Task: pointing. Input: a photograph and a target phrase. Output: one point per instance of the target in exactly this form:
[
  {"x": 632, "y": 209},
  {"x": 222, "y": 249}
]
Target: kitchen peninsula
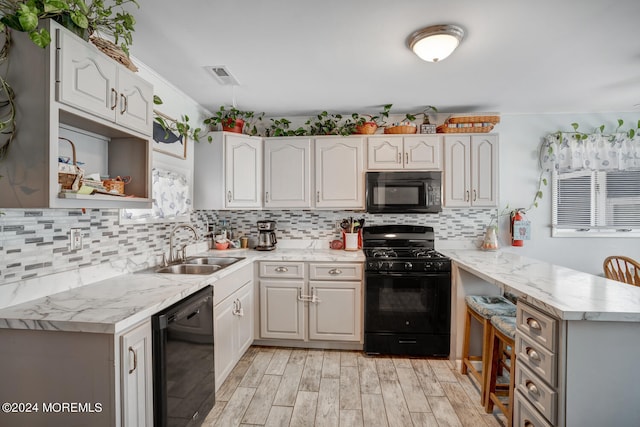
[{"x": 593, "y": 336}]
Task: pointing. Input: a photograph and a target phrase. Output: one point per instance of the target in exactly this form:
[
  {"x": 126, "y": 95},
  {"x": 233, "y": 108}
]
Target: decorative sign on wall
[
  {"x": 168, "y": 140},
  {"x": 522, "y": 230}
]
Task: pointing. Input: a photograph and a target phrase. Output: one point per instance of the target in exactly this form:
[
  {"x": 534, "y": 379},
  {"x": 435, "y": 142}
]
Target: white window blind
[{"x": 596, "y": 203}]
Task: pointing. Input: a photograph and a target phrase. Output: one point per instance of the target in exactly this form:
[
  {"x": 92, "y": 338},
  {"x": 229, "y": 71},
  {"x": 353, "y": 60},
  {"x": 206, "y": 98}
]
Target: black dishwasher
[{"x": 183, "y": 365}]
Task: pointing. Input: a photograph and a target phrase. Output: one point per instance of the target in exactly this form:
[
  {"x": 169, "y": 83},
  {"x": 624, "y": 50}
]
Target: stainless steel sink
[
  {"x": 208, "y": 260},
  {"x": 189, "y": 269},
  {"x": 199, "y": 265}
]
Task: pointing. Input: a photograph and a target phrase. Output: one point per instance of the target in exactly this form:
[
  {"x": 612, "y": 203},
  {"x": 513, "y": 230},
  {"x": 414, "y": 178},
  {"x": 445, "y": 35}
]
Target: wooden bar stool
[
  {"x": 482, "y": 308},
  {"x": 502, "y": 357}
]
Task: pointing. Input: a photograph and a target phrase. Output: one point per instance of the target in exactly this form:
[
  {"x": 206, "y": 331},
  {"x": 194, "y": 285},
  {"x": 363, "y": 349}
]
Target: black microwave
[{"x": 403, "y": 192}]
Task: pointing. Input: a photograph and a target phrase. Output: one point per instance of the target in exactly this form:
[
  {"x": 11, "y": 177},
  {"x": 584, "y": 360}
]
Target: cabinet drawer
[
  {"x": 525, "y": 415},
  {"x": 291, "y": 270},
  {"x": 229, "y": 284},
  {"x": 541, "y": 327},
  {"x": 537, "y": 358},
  {"x": 335, "y": 271},
  {"x": 541, "y": 396}
]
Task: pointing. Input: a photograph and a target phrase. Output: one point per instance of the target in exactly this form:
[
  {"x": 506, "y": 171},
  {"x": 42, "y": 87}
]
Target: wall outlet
[{"x": 75, "y": 239}]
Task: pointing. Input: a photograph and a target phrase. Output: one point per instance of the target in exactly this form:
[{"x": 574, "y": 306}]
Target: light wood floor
[{"x": 298, "y": 387}]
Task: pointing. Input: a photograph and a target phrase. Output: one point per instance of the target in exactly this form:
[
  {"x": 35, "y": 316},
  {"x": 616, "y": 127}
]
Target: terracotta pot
[
  {"x": 368, "y": 128},
  {"x": 233, "y": 126}
]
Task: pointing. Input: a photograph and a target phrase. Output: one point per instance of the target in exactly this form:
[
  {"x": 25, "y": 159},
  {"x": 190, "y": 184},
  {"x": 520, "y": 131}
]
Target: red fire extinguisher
[{"x": 515, "y": 216}]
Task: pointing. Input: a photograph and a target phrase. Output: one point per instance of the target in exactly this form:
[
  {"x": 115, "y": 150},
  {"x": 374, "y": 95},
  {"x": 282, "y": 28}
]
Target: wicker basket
[
  {"x": 474, "y": 119},
  {"x": 116, "y": 185},
  {"x": 401, "y": 129},
  {"x": 368, "y": 128},
  {"x": 70, "y": 175},
  {"x": 473, "y": 129},
  {"x": 114, "y": 52}
]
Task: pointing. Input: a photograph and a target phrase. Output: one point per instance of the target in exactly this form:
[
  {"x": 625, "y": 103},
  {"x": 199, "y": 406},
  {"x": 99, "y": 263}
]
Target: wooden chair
[{"x": 622, "y": 269}]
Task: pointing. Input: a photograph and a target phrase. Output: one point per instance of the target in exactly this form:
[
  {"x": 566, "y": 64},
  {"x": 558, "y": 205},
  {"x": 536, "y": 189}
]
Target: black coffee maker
[{"x": 266, "y": 236}]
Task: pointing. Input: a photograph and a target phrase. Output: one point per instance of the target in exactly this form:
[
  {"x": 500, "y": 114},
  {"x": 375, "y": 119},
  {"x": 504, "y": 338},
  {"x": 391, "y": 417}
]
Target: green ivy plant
[
  {"x": 379, "y": 120},
  {"x": 76, "y": 15},
  {"x": 330, "y": 124},
  {"x": 280, "y": 127},
  {"x": 181, "y": 126}
]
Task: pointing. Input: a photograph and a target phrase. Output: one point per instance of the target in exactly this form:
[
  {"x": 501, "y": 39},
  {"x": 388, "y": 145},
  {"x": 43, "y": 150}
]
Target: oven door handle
[{"x": 405, "y": 274}]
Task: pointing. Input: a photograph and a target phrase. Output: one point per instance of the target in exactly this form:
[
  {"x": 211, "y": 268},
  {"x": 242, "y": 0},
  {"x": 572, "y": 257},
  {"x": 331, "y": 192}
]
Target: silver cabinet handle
[
  {"x": 533, "y": 355},
  {"x": 399, "y": 157},
  {"x": 124, "y": 104},
  {"x": 229, "y": 196},
  {"x": 406, "y": 158},
  {"x": 466, "y": 199},
  {"x": 281, "y": 269},
  {"x": 531, "y": 387},
  {"x": 534, "y": 324},
  {"x": 304, "y": 298},
  {"x": 235, "y": 308},
  {"x": 114, "y": 96},
  {"x": 474, "y": 195},
  {"x": 135, "y": 360},
  {"x": 528, "y": 423},
  {"x": 266, "y": 197},
  {"x": 318, "y": 197},
  {"x": 335, "y": 271}
]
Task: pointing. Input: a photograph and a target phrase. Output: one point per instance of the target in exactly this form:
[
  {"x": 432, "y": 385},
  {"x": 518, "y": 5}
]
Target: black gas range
[{"x": 407, "y": 292}]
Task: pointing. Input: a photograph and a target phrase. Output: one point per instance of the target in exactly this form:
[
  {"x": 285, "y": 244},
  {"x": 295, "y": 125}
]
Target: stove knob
[
  {"x": 382, "y": 265},
  {"x": 408, "y": 266},
  {"x": 428, "y": 266}
]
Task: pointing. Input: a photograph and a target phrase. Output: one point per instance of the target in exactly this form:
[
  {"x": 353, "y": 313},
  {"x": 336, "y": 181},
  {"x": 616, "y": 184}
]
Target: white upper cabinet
[
  {"x": 71, "y": 90},
  {"x": 243, "y": 171},
  {"x": 287, "y": 173},
  {"x": 339, "y": 172},
  {"x": 404, "y": 152},
  {"x": 471, "y": 170},
  {"x": 92, "y": 82}
]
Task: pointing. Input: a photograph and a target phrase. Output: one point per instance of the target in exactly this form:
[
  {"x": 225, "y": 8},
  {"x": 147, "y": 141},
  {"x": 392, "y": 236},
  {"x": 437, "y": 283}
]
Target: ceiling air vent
[{"x": 223, "y": 75}]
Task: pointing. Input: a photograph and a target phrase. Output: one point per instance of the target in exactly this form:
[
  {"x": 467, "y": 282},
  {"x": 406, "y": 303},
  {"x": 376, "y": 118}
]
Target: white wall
[{"x": 520, "y": 138}]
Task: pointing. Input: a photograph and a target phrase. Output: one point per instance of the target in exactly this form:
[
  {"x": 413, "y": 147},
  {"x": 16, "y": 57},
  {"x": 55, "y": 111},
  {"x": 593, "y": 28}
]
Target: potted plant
[
  {"x": 367, "y": 124},
  {"x": 76, "y": 15},
  {"x": 233, "y": 120}
]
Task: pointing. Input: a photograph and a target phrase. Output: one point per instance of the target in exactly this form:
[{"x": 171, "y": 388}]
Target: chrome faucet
[{"x": 173, "y": 258}]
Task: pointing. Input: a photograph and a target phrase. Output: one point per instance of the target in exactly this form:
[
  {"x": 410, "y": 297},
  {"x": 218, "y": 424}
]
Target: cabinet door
[
  {"x": 135, "y": 103},
  {"x": 244, "y": 318},
  {"x": 339, "y": 177},
  {"x": 243, "y": 171},
  {"x": 281, "y": 311},
  {"x": 423, "y": 152},
  {"x": 87, "y": 78},
  {"x": 457, "y": 164},
  {"x": 384, "y": 152},
  {"x": 287, "y": 173},
  {"x": 484, "y": 170},
  {"x": 224, "y": 320},
  {"x": 336, "y": 313},
  {"x": 136, "y": 376}
]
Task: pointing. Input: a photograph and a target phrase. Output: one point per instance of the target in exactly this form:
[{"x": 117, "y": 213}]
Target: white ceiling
[{"x": 299, "y": 57}]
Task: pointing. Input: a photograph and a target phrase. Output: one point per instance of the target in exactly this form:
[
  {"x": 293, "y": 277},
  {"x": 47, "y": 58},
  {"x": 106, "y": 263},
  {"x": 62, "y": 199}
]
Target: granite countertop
[
  {"x": 566, "y": 293},
  {"x": 115, "y": 304}
]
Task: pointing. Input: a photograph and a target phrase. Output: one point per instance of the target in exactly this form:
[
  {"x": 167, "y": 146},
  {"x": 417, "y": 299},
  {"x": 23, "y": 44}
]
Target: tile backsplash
[{"x": 35, "y": 243}]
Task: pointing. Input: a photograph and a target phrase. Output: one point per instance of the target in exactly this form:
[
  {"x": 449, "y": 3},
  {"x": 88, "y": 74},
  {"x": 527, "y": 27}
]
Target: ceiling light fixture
[{"x": 436, "y": 42}]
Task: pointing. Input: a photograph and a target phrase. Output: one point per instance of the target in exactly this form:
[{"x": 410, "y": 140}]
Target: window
[{"x": 596, "y": 204}]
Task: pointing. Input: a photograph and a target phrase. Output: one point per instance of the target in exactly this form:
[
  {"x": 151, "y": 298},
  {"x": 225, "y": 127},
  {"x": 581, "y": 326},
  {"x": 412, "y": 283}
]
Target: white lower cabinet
[
  {"x": 314, "y": 301},
  {"x": 334, "y": 311},
  {"x": 109, "y": 374},
  {"x": 136, "y": 381},
  {"x": 232, "y": 321}
]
